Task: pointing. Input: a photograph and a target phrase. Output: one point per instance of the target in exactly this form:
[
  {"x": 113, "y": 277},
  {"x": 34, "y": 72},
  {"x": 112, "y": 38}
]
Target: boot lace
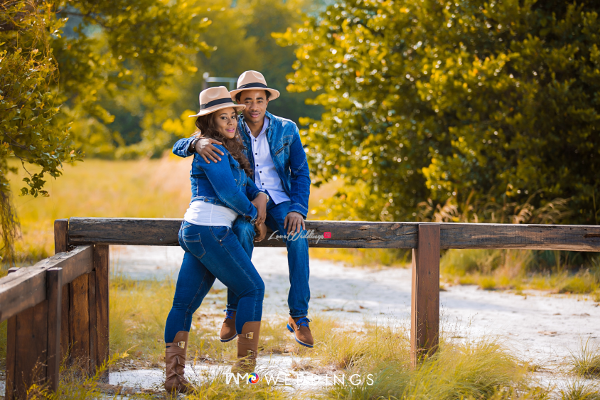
[
  {"x": 303, "y": 322},
  {"x": 229, "y": 314}
]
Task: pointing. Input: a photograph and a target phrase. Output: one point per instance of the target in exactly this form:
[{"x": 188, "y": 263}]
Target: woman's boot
[
  {"x": 175, "y": 364},
  {"x": 247, "y": 348}
]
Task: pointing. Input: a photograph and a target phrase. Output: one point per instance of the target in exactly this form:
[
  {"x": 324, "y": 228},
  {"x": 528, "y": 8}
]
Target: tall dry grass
[{"x": 99, "y": 188}]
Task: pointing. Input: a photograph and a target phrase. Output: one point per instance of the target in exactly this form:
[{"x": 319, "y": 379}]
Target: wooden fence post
[
  {"x": 11, "y": 354},
  {"x": 101, "y": 264},
  {"x": 425, "y": 299},
  {"x": 61, "y": 244},
  {"x": 54, "y": 295}
]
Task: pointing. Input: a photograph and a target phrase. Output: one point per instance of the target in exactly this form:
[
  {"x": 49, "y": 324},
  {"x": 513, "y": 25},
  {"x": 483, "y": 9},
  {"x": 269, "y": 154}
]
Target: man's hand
[
  {"x": 205, "y": 148},
  {"x": 294, "y": 223},
  {"x": 260, "y": 202},
  {"x": 261, "y": 232}
]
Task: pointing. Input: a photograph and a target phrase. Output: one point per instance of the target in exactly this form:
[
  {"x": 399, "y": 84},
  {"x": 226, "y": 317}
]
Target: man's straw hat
[
  {"x": 215, "y": 98},
  {"x": 253, "y": 80}
]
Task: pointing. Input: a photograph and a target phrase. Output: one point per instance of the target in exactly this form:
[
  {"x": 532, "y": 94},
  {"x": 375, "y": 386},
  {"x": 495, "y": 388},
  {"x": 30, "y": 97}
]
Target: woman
[{"x": 220, "y": 192}]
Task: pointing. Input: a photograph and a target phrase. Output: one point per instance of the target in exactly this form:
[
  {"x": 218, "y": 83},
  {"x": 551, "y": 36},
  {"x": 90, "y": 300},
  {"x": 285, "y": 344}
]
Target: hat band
[
  {"x": 215, "y": 103},
  {"x": 253, "y": 84}
]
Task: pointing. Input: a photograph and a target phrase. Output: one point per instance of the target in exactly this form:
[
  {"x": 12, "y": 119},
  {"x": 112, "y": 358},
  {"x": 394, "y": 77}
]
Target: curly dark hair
[{"x": 207, "y": 128}]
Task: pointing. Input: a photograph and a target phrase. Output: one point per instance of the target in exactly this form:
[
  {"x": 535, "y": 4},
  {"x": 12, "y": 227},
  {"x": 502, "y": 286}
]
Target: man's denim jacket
[
  {"x": 289, "y": 159},
  {"x": 223, "y": 183},
  {"x": 288, "y": 156}
]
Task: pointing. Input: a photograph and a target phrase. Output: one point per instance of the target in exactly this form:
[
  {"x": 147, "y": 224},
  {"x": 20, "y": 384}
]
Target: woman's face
[{"x": 226, "y": 122}]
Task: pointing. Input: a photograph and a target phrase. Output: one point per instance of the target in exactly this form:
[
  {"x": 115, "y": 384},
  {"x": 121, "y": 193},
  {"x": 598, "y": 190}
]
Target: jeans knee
[{"x": 244, "y": 230}]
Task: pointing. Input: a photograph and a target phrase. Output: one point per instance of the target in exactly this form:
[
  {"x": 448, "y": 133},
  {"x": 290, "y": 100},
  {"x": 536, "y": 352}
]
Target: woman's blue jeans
[
  {"x": 298, "y": 261},
  {"x": 213, "y": 251}
]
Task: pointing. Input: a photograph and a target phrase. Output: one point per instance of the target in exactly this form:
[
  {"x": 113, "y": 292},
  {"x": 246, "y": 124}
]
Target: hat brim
[
  {"x": 274, "y": 93},
  {"x": 212, "y": 109}
]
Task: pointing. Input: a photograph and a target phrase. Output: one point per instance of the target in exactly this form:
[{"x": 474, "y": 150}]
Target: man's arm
[
  {"x": 181, "y": 148},
  {"x": 300, "y": 176}
]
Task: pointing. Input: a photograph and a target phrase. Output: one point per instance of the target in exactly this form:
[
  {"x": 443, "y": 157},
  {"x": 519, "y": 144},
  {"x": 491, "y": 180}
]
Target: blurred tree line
[
  {"x": 239, "y": 39},
  {"x": 117, "y": 78},
  {"x": 455, "y": 111}
]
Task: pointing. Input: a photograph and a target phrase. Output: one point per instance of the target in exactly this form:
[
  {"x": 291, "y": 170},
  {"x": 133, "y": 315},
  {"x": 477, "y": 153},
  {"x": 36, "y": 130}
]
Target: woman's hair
[{"x": 207, "y": 129}]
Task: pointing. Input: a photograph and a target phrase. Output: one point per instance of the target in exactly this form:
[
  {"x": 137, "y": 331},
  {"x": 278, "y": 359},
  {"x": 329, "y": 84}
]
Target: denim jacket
[
  {"x": 289, "y": 159},
  {"x": 223, "y": 183},
  {"x": 288, "y": 156}
]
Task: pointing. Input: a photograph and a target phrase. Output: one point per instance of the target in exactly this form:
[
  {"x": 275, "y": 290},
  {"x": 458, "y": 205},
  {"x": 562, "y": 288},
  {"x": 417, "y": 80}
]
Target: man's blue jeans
[
  {"x": 213, "y": 251},
  {"x": 297, "y": 247}
]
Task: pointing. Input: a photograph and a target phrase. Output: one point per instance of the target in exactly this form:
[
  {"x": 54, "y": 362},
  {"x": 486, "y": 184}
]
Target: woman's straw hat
[
  {"x": 253, "y": 80},
  {"x": 215, "y": 98}
]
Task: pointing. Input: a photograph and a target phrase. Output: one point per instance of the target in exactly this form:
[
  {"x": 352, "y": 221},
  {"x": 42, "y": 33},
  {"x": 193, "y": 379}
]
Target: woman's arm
[{"x": 221, "y": 178}]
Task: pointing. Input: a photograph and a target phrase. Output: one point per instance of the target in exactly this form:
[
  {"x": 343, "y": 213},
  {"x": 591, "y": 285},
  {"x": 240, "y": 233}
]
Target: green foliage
[
  {"x": 57, "y": 61},
  {"x": 116, "y": 56},
  {"x": 472, "y": 102}
]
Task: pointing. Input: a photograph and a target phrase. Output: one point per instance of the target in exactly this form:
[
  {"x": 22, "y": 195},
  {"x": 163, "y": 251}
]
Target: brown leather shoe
[
  {"x": 228, "y": 332},
  {"x": 175, "y": 364},
  {"x": 299, "y": 327},
  {"x": 247, "y": 348}
]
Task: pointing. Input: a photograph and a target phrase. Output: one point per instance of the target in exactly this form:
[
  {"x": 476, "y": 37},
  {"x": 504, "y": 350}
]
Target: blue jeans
[
  {"x": 299, "y": 294},
  {"x": 213, "y": 251}
]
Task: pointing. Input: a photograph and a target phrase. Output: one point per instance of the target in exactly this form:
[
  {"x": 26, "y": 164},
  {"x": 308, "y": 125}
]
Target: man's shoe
[
  {"x": 228, "y": 332},
  {"x": 299, "y": 327},
  {"x": 247, "y": 348}
]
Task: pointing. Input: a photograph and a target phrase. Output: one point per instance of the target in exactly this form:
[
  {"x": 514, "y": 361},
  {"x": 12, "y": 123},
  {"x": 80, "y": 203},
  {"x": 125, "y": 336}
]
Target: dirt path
[{"x": 539, "y": 326}]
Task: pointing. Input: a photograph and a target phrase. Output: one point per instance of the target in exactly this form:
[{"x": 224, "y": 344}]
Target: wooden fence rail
[{"x": 58, "y": 309}]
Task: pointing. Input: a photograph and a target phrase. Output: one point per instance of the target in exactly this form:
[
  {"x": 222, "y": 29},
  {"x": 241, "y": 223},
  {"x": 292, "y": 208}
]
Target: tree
[
  {"x": 48, "y": 79},
  {"x": 474, "y": 107}
]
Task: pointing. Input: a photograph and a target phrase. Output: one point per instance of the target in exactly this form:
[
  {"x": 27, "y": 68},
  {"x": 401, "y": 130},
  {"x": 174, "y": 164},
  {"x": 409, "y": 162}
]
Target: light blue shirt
[{"x": 265, "y": 174}]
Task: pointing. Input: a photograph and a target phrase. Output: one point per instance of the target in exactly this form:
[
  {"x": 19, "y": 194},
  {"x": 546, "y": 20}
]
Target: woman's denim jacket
[
  {"x": 223, "y": 183},
  {"x": 288, "y": 156}
]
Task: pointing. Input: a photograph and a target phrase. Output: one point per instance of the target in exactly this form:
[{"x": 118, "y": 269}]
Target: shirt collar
[{"x": 266, "y": 123}]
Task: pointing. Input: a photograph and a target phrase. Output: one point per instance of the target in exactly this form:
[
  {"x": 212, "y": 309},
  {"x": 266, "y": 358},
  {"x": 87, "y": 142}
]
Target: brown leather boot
[
  {"x": 228, "y": 332},
  {"x": 299, "y": 327},
  {"x": 247, "y": 348},
  {"x": 175, "y": 364}
]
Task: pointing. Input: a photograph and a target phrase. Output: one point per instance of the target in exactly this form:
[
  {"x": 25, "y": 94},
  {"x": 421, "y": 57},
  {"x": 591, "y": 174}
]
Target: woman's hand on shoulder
[
  {"x": 261, "y": 232},
  {"x": 206, "y": 149}
]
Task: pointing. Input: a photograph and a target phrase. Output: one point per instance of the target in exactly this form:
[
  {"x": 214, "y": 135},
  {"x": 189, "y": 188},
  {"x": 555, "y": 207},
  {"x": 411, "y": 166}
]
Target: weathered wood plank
[
  {"x": 54, "y": 282},
  {"x": 93, "y": 327},
  {"x": 79, "y": 322},
  {"x": 354, "y": 234},
  {"x": 31, "y": 347},
  {"x": 65, "y": 339},
  {"x": 27, "y": 287},
  {"x": 425, "y": 293},
  {"x": 101, "y": 265},
  {"x": 61, "y": 237},
  {"x": 163, "y": 232}
]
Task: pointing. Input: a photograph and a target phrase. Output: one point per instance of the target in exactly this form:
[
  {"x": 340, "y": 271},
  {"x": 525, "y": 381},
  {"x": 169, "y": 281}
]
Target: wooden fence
[{"x": 58, "y": 309}]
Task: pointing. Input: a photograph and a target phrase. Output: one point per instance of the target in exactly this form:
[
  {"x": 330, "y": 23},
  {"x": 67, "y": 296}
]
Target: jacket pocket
[{"x": 282, "y": 148}]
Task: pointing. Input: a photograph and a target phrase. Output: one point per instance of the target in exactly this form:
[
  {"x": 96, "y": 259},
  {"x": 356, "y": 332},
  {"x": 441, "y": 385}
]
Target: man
[{"x": 274, "y": 149}]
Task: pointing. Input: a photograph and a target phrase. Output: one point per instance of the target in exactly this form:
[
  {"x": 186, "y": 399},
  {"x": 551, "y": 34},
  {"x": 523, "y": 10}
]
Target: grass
[
  {"x": 98, "y": 188},
  {"x": 586, "y": 362},
  {"x": 522, "y": 269},
  {"x": 482, "y": 369}
]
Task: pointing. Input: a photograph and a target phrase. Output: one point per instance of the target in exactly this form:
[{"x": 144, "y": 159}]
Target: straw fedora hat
[
  {"x": 215, "y": 98},
  {"x": 253, "y": 80}
]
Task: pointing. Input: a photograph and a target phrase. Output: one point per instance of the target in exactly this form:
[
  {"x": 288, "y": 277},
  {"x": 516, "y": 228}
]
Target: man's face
[{"x": 256, "y": 105}]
